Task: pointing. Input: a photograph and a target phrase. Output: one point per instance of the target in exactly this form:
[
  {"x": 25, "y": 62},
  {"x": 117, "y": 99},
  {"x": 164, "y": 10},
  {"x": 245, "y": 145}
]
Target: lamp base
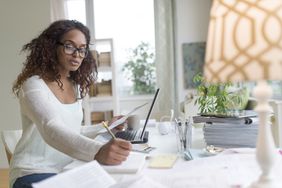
[{"x": 266, "y": 153}]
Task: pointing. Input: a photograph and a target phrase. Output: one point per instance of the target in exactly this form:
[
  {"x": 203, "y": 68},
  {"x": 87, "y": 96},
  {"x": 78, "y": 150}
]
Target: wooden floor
[{"x": 4, "y": 178}]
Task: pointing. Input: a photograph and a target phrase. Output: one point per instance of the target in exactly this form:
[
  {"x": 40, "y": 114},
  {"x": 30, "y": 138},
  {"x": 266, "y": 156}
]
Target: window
[
  {"x": 276, "y": 86},
  {"x": 76, "y": 10},
  {"x": 128, "y": 22},
  {"x": 276, "y": 89}
]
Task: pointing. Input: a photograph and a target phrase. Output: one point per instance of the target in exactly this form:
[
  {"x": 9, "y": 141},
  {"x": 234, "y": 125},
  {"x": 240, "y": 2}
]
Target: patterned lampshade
[{"x": 244, "y": 41}]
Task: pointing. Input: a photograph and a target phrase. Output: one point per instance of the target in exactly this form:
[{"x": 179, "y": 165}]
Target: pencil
[{"x": 109, "y": 131}]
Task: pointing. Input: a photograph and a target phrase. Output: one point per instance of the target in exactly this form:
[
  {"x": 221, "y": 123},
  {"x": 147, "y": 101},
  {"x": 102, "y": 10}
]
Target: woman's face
[{"x": 71, "y": 51}]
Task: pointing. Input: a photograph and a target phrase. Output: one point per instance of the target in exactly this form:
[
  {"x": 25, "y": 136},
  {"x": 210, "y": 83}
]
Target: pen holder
[{"x": 183, "y": 131}]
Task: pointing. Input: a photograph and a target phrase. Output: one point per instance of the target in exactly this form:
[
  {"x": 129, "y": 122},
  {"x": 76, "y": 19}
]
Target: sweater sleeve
[
  {"x": 91, "y": 131},
  {"x": 36, "y": 105}
]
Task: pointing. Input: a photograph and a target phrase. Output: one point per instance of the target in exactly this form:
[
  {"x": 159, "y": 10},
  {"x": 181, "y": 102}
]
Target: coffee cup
[
  {"x": 164, "y": 127},
  {"x": 133, "y": 122}
]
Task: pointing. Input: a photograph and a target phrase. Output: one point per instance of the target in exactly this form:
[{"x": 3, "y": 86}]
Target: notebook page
[
  {"x": 84, "y": 176},
  {"x": 134, "y": 163}
]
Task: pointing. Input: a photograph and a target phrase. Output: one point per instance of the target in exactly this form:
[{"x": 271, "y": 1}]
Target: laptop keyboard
[{"x": 127, "y": 135}]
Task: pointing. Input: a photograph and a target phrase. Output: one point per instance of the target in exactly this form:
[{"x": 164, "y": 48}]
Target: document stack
[{"x": 230, "y": 132}]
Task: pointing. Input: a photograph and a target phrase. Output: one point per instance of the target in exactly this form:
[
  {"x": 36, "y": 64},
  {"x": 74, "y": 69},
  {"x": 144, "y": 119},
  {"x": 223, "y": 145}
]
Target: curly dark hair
[{"x": 42, "y": 58}]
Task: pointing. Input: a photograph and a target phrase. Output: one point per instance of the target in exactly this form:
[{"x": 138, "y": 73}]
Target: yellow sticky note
[{"x": 162, "y": 161}]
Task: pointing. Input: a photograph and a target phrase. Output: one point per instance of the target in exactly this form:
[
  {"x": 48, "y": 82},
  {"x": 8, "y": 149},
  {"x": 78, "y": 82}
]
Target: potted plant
[
  {"x": 219, "y": 99},
  {"x": 140, "y": 69}
]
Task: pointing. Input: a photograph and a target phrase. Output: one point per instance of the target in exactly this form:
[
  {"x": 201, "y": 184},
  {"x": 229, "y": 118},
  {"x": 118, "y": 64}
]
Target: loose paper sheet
[
  {"x": 88, "y": 175},
  {"x": 122, "y": 120}
]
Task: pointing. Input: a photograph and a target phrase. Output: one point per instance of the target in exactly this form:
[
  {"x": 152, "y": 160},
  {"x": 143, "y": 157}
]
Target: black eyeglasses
[{"x": 69, "y": 49}]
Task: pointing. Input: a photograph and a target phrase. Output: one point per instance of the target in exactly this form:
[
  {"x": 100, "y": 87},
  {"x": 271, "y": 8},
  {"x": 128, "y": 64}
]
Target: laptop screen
[{"x": 149, "y": 113}]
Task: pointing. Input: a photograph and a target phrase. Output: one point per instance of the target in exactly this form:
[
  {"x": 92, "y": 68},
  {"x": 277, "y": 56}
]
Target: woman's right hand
[{"x": 114, "y": 152}]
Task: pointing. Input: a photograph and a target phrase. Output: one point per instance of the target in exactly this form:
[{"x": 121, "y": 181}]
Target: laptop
[{"x": 141, "y": 135}]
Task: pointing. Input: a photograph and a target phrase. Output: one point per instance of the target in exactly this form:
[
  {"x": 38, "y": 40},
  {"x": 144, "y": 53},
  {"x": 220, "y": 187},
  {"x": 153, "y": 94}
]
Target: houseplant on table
[
  {"x": 140, "y": 69},
  {"x": 220, "y": 99}
]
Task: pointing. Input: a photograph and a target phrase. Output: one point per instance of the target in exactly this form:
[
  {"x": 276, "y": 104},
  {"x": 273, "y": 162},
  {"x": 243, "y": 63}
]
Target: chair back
[{"x": 10, "y": 139}]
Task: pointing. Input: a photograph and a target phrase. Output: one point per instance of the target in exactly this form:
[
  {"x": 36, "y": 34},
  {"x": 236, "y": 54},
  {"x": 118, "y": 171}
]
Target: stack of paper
[
  {"x": 231, "y": 135},
  {"x": 232, "y": 120},
  {"x": 230, "y": 130}
]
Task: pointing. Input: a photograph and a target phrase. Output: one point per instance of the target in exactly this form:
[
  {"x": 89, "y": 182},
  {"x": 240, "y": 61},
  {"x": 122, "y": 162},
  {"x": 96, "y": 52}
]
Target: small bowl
[{"x": 212, "y": 150}]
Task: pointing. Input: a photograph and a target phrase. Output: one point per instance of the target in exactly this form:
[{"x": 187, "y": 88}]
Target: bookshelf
[{"x": 102, "y": 102}]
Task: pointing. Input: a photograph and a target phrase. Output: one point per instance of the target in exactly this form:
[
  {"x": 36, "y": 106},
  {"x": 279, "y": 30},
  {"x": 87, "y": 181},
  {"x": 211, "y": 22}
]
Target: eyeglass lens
[{"x": 70, "y": 50}]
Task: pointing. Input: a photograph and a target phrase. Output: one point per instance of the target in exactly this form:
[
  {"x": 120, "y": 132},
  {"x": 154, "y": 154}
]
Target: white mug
[
  {"x": 133, "y": 122},
  {"x": 164, "y": 127}
]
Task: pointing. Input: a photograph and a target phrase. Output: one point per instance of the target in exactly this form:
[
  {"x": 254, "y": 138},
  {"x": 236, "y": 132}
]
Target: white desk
[{"x": 231, "y": 169}]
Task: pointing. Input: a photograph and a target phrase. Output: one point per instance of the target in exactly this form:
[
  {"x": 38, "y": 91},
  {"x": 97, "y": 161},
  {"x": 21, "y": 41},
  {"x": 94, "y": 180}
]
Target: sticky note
[{"x": 162, "y": 161}]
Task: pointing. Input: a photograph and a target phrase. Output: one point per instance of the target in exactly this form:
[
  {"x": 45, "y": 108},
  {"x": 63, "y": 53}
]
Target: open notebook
[
  {"x": 134, "y": 162},
  {"x": 87, "y": 175},
  {"x": 138, "y": 136}
]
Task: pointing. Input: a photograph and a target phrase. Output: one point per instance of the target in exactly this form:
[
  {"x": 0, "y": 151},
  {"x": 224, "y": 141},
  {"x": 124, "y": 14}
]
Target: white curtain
[
  {"x": 165, "y": 56},
  {"x": 58, "y": 10}
]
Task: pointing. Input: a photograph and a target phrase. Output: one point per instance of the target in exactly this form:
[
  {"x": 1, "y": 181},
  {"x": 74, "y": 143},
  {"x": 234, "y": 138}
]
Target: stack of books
[{"x": 230, "y": 131}]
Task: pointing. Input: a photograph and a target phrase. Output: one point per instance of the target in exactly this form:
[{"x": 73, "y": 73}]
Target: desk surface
[
  {"x": 222, "y": 171},
  {"x": 232, "y": 168}
]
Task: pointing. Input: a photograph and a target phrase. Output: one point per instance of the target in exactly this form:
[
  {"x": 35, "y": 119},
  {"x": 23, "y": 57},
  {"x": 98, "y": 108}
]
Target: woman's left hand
[{"x": 119, "y": 127}]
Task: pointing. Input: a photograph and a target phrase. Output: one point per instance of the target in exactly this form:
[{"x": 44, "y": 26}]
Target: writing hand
[{"x": 114, "y": 152}]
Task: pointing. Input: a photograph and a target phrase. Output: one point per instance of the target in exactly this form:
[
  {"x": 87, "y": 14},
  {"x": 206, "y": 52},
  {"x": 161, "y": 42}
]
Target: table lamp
[{"x": 245, "y": 44}]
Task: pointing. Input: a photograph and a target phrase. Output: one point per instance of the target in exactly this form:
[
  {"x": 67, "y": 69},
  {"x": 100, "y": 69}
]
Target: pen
[
  {"x": 185, "y": 135},
  {"x": 109, "y": 131},
  {"x": 181, "y": 134}
]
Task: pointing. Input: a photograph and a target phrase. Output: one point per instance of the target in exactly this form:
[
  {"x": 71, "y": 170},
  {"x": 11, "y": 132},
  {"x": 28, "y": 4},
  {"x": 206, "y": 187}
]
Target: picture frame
[{"x": 193, "y": 62}]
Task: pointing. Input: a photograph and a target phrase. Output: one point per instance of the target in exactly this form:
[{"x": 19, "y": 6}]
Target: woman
[{"x": 56, "y": 76}]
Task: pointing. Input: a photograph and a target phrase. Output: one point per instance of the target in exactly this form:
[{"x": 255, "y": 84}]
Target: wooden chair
[{"x": 10, "y": 139}]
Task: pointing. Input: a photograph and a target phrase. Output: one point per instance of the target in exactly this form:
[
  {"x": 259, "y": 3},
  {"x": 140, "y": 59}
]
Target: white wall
[
  {"x": 20, "y": 21},
  {"x": 192, "y": 18}
]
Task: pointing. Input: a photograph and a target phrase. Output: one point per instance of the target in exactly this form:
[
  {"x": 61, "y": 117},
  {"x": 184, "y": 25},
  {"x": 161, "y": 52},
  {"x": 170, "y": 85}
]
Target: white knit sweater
[{"x": 51, "y": 133}]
